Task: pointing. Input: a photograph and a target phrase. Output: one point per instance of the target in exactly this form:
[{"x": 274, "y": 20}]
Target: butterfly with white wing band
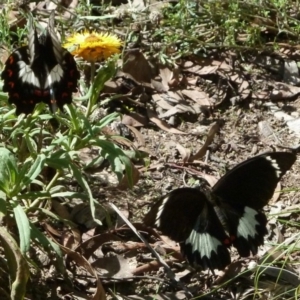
[
  {"x": 206, "y": 224},
  {"x": 42, "y": 71}
]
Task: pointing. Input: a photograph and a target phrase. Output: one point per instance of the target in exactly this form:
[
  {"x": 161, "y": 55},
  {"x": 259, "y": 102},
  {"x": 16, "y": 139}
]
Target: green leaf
[
  {"x": 52, "y": 215},
  {"x": 58, "y": 163},
  {"x": 23, "y": 228},
  {"x": 34, "y": 195},
  {"x": 29, "y": 172},
  {"x": 107, "y": 120},
  {"x": 8, "y": 170},
  {"x": 118, "y": 160},
  {"x": 31, "y": 144},
  {"x": 80, "y": 179},
  {"x": 69, "y": 195},
  {"x": 105, "y": 73},
  {"x": 3, "y": 205}
]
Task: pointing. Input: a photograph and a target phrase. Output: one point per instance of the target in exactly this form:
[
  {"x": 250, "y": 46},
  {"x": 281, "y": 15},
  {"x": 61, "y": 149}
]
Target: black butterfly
[
  {"x": 205, "y": 225},
  {"x": 42, "y": 71}
]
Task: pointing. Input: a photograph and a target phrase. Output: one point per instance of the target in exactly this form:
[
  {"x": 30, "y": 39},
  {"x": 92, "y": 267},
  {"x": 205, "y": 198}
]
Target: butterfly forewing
[
  {"x": 33, "y": 43},
  {"x": 53, "y": 42},
  {"x": 181, "y": 206},
  {"x": 253, "y": 182},
  {"x": 43, "y": 71},
  {"x": 243, "y": 191},
  {"x": 187, "y": 217}
]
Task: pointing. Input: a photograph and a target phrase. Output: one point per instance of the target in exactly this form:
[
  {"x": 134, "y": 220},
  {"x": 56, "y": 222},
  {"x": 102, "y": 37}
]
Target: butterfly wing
[
  {"x": 52, "y": 40},
  {"x": 186, "y": 216},
  {"x": 253, "y": 181},
  {"x": 246, "y": 227},
  {"x": 62, "y": 70},
  {"x": 19, "y": 93},
  {"x": 43, "y": 71},
  {"x": 20, "y": 81},
  {"x": 63, "y": 82},
  {"x": 242, "y": 192}
]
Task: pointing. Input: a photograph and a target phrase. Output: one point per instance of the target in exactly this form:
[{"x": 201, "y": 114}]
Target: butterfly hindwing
[
  {"x": 205, "y": 225},
  {"x": 43, "y": 71},
  {"x": 246, "y": 226}
]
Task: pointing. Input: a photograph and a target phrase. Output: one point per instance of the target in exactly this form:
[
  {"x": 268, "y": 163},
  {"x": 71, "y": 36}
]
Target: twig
[{"x": 169, "y": 272}]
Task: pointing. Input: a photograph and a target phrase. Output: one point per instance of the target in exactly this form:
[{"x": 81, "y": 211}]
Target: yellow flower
[{"x": 93, "y": 46}]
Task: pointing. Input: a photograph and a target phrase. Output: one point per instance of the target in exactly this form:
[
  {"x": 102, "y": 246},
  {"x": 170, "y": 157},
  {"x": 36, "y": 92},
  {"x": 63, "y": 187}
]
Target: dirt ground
[
  {"x": 187, "y": 123},
  {"x": 246, "y": 127}
]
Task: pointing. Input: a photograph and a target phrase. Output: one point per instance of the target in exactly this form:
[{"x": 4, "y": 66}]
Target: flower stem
[{"x": 90, "y": 104}]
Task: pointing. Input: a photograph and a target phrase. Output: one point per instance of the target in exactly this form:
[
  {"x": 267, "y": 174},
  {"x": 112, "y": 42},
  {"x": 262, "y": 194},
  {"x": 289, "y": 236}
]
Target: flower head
[{"x": 94, "y": 46}]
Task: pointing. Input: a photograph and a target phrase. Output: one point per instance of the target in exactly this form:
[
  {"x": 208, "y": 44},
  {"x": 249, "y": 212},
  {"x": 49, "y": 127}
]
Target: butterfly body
[
  {"x": 206, "y": 224},
  {"x": 43, "y": 71}
]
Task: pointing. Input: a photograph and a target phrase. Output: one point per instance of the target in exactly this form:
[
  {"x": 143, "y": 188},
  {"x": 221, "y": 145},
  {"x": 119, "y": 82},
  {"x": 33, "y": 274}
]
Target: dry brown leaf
[
  {"x": 185, "y": 153},
  {"x": 284, "y": 91},
  {"x": 173, "y": 97},
  {"x": 137, "y": 66},
  {"x": 70, "y": 239},
  {"x": 162, "y": 124},
  {"x": 230, "y": 272},
  {"x": 135, "y": 119},
  {"x": 159, "y": 100},
  {"x": 166, "y": 75},
  {"x": 276, "y": 194},
  {"x": 209, "y": 66},
  {"x": 122, "y": 141},
  {"x": 199, "y": 97},
  {"x": 82, "y": 262},
  {"x": 60, "y": 210},
  {"x": 139, "y": 137},
  {"x": 88, "y": 234},
  {"x": 151, "y": 266},
  {"x": 212, "y": 180},
  {"x": 115, "y": 266},
  {"x": 210, "y": 136},
  {"x": 111, "y": 86},
  {"x": 158, "y": 86},
  {"x": 89, "y": 247},
  {"x": 200, "y": 70},
  {"x": 124, "y": 183},
  {"x": 205, "y": 66},
  {"x": 154, "y": 166},
  {"x": 262, "y": 95},
  {"x": 177, "y": 109},
  {"x": 243, "y": 85}
]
